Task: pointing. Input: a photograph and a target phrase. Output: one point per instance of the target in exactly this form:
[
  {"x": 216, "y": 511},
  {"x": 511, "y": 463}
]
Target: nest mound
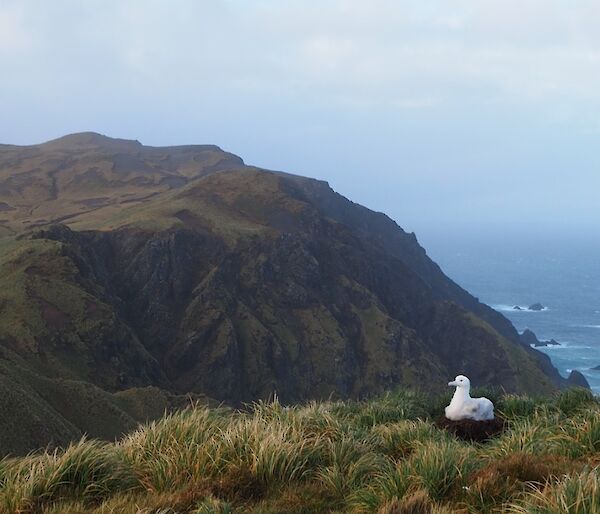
[{"x": 471, "y": 430}]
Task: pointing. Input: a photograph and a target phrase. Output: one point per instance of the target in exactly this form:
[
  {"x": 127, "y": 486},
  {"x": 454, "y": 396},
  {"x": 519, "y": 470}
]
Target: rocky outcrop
[
  {"x": 577, "y": 379},
  {"x": 317, "y": 310},
  {"x": 551, "y": 342},
  {"x": 529, "y": 338},
  {"x": 536, "y": 307}
]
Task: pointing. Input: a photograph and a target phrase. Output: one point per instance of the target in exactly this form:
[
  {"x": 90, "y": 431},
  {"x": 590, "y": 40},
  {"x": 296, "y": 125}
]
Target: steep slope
[
  {"x": 38, "y": 411},
  {"x": 191, "y": 272}
]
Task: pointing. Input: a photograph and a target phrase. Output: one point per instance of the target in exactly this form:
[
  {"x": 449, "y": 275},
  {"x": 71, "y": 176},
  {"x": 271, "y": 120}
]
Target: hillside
[
  {"x": 87, "y": 175},
  {"x": 388, "y": 455},
  {"x": 176, "y": 270}
]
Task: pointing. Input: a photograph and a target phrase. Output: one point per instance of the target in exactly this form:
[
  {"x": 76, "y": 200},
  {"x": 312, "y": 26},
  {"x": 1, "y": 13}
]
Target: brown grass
[{"x": 511, "y": 475}]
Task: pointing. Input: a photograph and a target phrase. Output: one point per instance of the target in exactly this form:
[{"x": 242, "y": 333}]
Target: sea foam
[{"x": 511, "y": 308}]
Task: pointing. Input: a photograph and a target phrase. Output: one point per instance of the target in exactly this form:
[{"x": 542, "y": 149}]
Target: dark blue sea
[{"x": 562, "y": 273}]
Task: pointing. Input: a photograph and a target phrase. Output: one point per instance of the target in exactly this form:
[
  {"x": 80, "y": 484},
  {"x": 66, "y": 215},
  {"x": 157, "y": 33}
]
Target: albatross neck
[{"x": 461, "y": 393}]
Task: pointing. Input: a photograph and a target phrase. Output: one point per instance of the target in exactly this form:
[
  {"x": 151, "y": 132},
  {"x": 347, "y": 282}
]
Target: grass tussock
[
  {"x": 577, "y": 493},
  {"x": 385, "y": 456}
]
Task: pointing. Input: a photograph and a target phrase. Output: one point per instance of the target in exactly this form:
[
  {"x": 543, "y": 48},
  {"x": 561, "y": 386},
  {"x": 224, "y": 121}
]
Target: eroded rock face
[
  {"x": 305, "y": 314},
  {"x": 193, "y": 272}
]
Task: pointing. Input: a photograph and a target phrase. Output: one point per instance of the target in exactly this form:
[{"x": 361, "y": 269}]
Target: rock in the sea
[
  {"x": 529, "y": 338},
  {"x": 578, "y": 380},
  {"x": 552, "y": 342},
  {"x": 536, "y": 307},
  {"x": 517, "y": 308},
  {"x": 596, "y": 368}
]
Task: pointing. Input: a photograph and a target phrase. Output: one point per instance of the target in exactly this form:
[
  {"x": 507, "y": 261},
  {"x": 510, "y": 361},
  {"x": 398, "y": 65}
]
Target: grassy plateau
[{"x": 385, "y": 455}]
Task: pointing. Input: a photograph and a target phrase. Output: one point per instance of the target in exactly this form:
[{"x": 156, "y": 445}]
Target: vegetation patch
[{"x": 387, "y": 455}]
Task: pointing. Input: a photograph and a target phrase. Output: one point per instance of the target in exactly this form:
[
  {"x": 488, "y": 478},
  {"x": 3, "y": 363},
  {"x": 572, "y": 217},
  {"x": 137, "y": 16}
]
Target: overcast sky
[{"x": 447, "y": 115}]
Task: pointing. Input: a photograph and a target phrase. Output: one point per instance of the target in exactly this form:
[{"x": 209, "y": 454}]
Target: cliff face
[{"x": 126, "y": 266}]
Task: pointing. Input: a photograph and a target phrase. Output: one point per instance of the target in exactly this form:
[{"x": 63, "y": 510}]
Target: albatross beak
[{"x": 452, "y": 384}]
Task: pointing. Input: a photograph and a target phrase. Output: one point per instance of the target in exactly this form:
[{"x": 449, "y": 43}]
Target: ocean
[{"x": 562, "y": 273}]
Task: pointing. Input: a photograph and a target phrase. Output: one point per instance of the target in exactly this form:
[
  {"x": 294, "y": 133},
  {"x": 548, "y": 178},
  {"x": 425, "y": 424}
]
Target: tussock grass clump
[
  {"x": 415, "y": 503},
  {"x": 239, "y": 455},
  {"x": 398, "y": 440},
  {"x": 575, "y": 493},
  {"x": 384, "y": 455},
  {"x": 272, "y": 452},
  {"x": 174, "y": 451},
  {"x": 579, "y": 436},
  {"x": 514, "y": 406},
  {"x": 572, "y": 400},
  {"x": 88, "y": 471},
  {"x": 213, "y": 506},
  {"x": 389, "y": 408},
  {"x": 351, "y": 464},
  {"x": 388, "y": 486},
  {"x": 534, "y": 435},
  {"x": 507, "y": 477},
  {"x": 440, "y": 467}
]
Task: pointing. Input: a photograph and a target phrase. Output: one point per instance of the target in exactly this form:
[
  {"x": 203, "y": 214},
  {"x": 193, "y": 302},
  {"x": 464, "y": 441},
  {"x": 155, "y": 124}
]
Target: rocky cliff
[{"x": 167, "y": 271}]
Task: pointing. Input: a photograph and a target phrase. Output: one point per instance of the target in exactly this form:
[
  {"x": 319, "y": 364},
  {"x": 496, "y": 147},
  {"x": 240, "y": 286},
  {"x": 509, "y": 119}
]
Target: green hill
[{"x": 171, "y": 271}]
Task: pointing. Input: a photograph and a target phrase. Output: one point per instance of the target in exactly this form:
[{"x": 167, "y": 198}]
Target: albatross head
[{"x": 460, "y": 381}]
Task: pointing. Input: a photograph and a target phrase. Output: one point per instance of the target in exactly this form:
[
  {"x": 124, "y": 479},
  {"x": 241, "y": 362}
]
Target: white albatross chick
[{"x": 463, "y": 406}]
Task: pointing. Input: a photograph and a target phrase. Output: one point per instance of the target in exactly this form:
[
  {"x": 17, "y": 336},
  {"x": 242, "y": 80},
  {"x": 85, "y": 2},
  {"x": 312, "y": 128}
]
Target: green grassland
[{"x": 384, "y": 455}]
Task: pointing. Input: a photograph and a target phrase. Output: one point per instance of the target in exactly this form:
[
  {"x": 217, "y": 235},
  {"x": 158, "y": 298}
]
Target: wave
[
  {"x": 511, "y": 308},
  {"x": 560, "y": 345},
  {"x": 588, "y": 326},
  {"x": 563, "y": 346}
]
